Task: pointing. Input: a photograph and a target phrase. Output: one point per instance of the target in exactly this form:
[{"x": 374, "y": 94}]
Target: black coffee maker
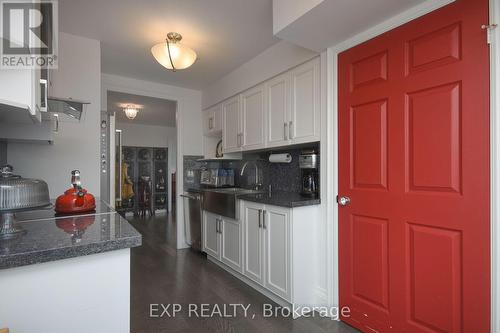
[{"x": 308, "y": 163}]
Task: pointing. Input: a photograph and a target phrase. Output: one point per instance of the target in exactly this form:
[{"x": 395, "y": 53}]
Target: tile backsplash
[
  {"x": 281, "y": 176},
  {"x": 3, "y": 153}
]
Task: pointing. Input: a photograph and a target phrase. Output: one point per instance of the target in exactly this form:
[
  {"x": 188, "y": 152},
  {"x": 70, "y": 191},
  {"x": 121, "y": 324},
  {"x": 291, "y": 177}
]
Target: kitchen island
[{"x": 80, "y": 263}]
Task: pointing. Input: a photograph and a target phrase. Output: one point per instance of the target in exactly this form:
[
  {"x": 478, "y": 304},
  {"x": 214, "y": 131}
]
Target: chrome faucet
[{"x": 257, "y": 184}]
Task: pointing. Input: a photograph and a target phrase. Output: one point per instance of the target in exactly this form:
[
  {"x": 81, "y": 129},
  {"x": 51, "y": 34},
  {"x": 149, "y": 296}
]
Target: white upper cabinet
[
  {"x": 278, "y": 106},
  {"x": 304, "y": 121},
  {"x": 212, "y": 120},
  {"x": 20, "y": 88},
  {"x": 231, "y": 133},
  {"x": 253, "y": 118},
  {"x": 282, "y": 111}
]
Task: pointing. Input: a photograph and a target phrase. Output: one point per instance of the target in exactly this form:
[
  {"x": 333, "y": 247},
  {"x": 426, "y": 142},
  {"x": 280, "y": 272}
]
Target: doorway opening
[{"x": 145, "y": 146}]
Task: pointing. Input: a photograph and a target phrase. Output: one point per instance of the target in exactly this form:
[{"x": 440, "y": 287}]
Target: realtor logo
[{"x": 29, "y": 31}]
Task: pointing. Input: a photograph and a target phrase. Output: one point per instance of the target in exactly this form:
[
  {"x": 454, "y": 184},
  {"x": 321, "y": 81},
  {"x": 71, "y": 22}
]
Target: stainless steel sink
[{"x": 222, "y": 201}]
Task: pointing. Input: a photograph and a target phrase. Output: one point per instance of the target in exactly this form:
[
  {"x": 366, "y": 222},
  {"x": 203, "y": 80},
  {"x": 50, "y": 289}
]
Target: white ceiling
[
  {"x": 152, "y": 111},
  {"x": 224, "y": 33}
]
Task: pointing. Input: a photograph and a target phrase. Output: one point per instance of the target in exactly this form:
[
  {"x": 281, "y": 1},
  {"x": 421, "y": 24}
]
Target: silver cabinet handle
[
  {"x": 285, "y": 129},
  {"x": 56, "y": 117},
  {"x": 217, "y": 225},
  {"x": 264, "y": 219},
  {"x": 211, "y": 123},
  {"x": 290, "y": 129},
  {"x": 118, "y": 136},
  {"x": 44, "y": 95},
  {"x": 260, "y": 218},
  {"x": 343, "y": 201},
  {"x": 240, "y": 139},
  {"x": 220, "y": 226}
]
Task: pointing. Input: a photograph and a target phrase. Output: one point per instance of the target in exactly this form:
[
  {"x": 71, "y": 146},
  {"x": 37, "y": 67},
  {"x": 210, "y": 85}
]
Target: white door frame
[
  {"x": 131, "y": 86},
  {"x": 332, "y": 142}
]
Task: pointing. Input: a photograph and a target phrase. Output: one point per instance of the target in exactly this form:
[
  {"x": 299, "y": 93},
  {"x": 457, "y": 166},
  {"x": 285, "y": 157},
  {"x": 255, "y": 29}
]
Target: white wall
[
  {"x": 287, "y": 11},
  {"x": 138, "y": 135},
  {"x": 189, "y": 129},
  {"x": 76, "y": 146},
  {"x": 273, "y": 61}
]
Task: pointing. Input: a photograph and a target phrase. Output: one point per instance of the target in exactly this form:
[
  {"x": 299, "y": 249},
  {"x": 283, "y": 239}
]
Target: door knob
[{"x": 343, "y": 201}]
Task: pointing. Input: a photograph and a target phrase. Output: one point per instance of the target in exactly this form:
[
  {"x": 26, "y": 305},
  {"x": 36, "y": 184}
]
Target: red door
[{"x": 414, "y": 240}]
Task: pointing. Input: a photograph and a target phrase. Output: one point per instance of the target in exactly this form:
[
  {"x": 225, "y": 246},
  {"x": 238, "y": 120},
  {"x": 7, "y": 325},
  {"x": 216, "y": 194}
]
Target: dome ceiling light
[
  {"x": 172, "y": 55},
  {"x": 130, "y": 112}
]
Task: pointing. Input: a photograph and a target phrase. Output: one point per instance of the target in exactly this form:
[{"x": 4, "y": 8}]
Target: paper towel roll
[{"x": 280, "y": 158}]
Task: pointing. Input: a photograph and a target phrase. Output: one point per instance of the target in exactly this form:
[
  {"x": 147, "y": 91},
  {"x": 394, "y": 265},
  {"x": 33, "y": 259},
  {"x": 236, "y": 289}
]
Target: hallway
[{"x": 162, "y": 275}]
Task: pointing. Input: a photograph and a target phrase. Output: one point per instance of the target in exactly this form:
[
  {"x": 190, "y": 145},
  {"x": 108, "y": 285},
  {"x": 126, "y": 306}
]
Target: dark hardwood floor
[{"x": 162, "y": 275}]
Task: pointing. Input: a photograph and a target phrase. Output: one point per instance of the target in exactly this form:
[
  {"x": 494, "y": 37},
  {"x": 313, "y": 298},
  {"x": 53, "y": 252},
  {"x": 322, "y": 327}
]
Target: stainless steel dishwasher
[{"x": 192, "y": 218}]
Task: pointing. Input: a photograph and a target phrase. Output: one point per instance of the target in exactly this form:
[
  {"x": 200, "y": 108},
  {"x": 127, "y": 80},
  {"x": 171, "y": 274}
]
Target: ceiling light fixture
[
  {"x": 130, "y": 112},
  {"x": 172, "y": 55}
]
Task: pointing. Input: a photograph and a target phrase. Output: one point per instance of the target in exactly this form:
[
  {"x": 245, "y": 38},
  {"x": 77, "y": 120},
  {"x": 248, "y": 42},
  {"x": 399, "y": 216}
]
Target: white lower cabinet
[
  {"x": 211, "y": 241},
  {"x": 222, "y": 239},
  {"x": 253, "y": 242},
  {"x": 231, "y": 234},
  {"x": 273, "y": 249},
  {"x": 267, "y": 247},
  {"x": 276, "y": 229}
]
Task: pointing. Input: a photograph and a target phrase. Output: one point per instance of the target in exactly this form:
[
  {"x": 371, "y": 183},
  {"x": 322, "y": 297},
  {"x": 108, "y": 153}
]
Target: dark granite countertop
[
  {"x": 282, "y": 199},
  {"x": 48, "y": 213},
  {"x": 67, "y": 237}
]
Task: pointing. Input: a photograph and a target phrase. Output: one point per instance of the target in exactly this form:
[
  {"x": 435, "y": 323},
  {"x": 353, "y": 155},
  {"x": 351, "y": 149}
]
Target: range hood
[{"x": 69, "y": 106}]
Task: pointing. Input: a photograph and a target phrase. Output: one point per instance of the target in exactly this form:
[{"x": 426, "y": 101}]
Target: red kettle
[{"x": 76, "y": 199}]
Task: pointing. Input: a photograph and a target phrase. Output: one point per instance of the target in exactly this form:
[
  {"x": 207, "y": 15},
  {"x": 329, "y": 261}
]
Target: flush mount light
[
  {"x": 130, "y": 112},
  {"x": 172, "y": 55}
]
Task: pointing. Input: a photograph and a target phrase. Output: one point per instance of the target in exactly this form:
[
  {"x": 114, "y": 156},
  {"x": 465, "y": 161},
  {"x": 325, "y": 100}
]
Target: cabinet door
[
  {"x": 304, "y": 120},
  {"x": 212, "y": 120},
  {"x": 253, "y": 242},
  {"x": 231, "y": 125},
  {"x": 211, "y": 240},
  {"x": 277, "y": 250},
  {"x": 231, "y": 243},
  {"x": 253, "y": 118},
  {"x": 207, "y": 116},
  {"x": 217, "y": 119},
  {"x": 278, "y": 107}
]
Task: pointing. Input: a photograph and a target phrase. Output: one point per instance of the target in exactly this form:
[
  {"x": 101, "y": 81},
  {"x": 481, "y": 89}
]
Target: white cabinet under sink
[
  {"x": 222, "y": 238},
  {"x": 211, "y": 241}
]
